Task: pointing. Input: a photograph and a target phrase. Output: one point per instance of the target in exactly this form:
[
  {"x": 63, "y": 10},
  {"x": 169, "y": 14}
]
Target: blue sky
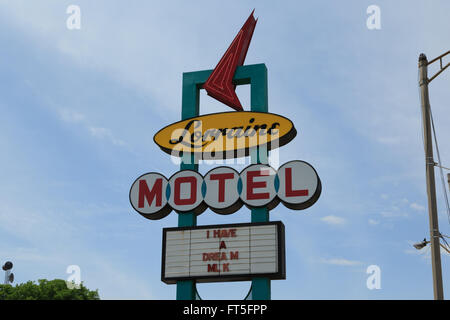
[{"x": 79, "y": 108}]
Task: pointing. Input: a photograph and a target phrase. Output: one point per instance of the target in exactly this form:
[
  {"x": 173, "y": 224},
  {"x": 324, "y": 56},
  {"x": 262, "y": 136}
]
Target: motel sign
[{"x": 253, "y": 251}]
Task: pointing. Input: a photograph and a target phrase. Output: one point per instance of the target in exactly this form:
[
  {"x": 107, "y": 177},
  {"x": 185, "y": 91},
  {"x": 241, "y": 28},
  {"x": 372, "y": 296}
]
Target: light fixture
[
  {"x": 7, "y": 266},
  {"x": 421, "y": 245},
  {"x": 9, "y": 276}
]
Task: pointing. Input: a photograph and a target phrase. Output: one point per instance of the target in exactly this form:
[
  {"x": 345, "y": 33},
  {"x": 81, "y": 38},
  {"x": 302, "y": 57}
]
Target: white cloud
[
  {"x": 373, "y": 222},
  {"x": 68, "y": 115},
  {"x": 334, "y": 220},
  {"x": 389, "y": 140},
  {"x": 395, "y": 213},
  {"x": 104, "y": 133},
  {"x": 417, "y": 206},
  {"x": 342, "y": 262},
  {"x": 75, "y": 117}
]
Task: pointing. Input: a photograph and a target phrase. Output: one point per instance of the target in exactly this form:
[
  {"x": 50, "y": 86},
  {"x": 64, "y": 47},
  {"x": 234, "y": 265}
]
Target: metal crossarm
[{"x": 442, "y": 68}]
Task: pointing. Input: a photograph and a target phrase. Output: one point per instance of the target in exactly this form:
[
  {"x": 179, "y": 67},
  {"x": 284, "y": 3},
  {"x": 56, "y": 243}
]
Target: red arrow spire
[{"x": 220, "y": 82}]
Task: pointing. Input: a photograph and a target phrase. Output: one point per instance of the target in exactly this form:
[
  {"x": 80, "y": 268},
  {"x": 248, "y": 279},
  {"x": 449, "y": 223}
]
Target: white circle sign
[
  {"x": 299, "y": 185},
  {"x": 148, "y": 196},
  {"x": 258, "y": 185},
  {"x": 222, "y": 190},
  {"x": 186, "y": 191}
]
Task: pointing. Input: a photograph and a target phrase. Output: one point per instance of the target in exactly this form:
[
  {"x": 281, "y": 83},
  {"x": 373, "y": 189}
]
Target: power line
[{"x": 446, "y": 243}]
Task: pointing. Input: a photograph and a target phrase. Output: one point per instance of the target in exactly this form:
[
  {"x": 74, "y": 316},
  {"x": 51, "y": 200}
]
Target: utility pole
[
  {"x": 448, "y": 180},
  {"x": 431, "y": 188}
]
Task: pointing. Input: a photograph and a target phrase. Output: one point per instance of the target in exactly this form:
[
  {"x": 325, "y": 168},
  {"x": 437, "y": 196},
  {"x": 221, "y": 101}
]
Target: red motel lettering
[
  {"x": 289, "y": 191},
  {"x": 298, "y": 188},
  {"x": 221, "y": 177},
  {"x": 256, "y": 185},
  {"x": 193, "y": 191},
  {"x": 145, "y": 193}
]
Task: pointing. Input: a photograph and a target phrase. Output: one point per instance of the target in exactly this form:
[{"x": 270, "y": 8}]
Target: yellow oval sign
[{"x": 225, "y": 135}]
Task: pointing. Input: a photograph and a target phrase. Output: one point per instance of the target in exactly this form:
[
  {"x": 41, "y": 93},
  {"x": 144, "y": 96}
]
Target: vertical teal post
[
  {"x": 256, "y": 76},
  {"x": 189, "y": 108},
  {"x": 259, "y": 102}
]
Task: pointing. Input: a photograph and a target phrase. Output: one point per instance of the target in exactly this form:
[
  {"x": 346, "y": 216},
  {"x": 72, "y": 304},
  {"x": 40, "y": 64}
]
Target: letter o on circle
[{"x": 186, "y": 192}]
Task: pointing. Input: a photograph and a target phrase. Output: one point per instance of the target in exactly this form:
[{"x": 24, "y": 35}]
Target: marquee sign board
[{"x": 216, "y": 253}]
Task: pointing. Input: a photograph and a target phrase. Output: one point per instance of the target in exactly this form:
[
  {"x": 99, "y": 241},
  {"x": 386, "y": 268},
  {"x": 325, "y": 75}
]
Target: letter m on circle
[{"x": 146, "y": 193}]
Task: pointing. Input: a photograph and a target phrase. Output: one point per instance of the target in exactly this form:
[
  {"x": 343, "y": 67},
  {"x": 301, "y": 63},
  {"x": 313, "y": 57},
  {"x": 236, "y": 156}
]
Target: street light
[
  {"x": 9, "y": 277},
  {"x": 429, "y": 167},
  {"x": 421, "y": 245}
]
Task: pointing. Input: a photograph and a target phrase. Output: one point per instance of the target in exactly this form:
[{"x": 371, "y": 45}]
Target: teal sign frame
[{"x": 256, "y": 76}]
